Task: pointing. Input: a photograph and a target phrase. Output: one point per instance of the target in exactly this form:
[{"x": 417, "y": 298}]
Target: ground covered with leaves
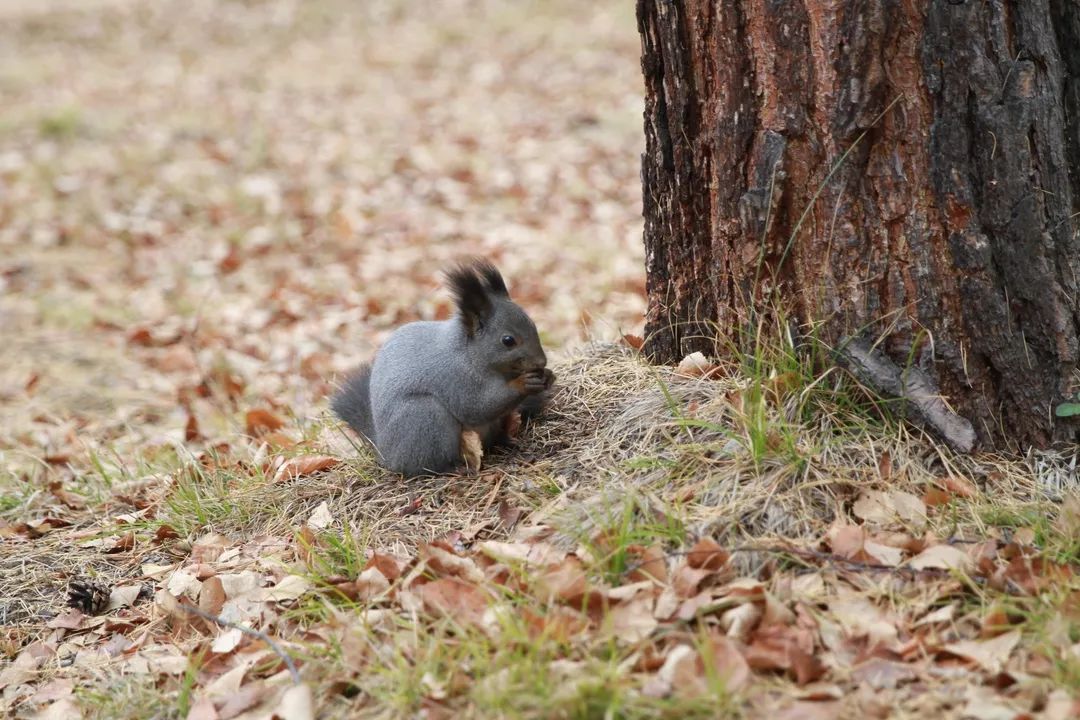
[{"x": 210, "y": 210}]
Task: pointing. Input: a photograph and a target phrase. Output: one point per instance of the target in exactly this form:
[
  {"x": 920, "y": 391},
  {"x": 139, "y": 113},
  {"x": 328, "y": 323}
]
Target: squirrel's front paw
[{"x": 537, "y": 381}]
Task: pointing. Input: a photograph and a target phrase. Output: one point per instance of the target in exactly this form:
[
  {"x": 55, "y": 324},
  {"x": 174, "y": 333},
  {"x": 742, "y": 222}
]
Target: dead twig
[{"x": 258, "y": 634}]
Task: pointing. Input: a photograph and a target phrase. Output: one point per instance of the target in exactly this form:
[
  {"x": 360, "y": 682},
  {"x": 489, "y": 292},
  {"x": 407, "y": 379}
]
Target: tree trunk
[{"x": 902, "y": 170}]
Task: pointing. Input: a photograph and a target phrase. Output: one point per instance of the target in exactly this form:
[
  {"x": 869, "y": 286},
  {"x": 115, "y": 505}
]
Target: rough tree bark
[{"x": 904, "y": 170}]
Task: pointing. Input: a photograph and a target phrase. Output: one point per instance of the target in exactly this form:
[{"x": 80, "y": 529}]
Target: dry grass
[
  {"x": 628, "y": 452},
  {"x": 621, "y": 436},
  {"x": 623, "y": 428}
]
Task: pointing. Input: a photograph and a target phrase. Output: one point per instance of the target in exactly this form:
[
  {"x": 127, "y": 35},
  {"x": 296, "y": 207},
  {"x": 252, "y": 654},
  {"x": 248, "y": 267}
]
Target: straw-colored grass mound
[{"x": 732, "y": 455}]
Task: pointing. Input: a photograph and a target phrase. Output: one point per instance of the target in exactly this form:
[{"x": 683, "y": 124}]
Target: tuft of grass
[
  {"x": 204, "y": 497},
  {"x": 1047, "y": 621},
  {"x": 335, "y": 553},
  {"x": 793, "y": 392},
  {"x": 200, "y": 499},
  {"x": 785, "y": 403},
  {"x": 189, "y": 681},
  {"x": 61, "y": 124},
  {"x": 624, "y": 526},
  {"x": 512, "y": 673},
  {"x": 1057, "y": 540}
]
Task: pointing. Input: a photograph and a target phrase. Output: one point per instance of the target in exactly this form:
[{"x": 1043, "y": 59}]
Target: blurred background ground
[{"x": 260, "y": 190}]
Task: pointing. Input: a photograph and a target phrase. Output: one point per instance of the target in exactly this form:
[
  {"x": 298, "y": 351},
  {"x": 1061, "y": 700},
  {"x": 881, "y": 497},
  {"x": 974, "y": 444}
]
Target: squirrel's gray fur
[{"x": 432, "y": 380}]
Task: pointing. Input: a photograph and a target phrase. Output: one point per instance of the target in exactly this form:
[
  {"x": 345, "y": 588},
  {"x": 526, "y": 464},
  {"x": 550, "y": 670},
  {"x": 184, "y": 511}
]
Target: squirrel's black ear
[
  {"x": 470, "y": 291},
  {"x": 492, "y": 278}
]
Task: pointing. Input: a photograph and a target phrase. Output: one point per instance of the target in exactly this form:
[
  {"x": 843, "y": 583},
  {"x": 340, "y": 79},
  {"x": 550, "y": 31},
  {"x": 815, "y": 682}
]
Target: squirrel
[{"x": 432, "y": 381}]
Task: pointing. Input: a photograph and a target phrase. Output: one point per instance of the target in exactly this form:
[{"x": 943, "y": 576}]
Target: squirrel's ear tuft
[
  {"x": 492, "y": 277},
  {"x": 469, "y": 287}
]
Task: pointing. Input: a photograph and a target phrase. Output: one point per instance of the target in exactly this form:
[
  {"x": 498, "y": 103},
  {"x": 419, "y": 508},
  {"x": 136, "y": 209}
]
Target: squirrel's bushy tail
[{"x": 352, "y": 403}]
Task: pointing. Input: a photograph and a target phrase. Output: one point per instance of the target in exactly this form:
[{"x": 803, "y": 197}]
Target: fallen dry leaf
[
  {"x": 847, "y": 541},
  {"x": 278, "y": 440},
  {"x": 24, "y": 667},
  {"x": 696, "y": 365},
  {"x": 509, "y": 515},
  {"x": 862, "y": 618},
  {"x": 260, "y": 421},
  {"x": 885, "y": 467},
  {"x": 566, "y": 581},
  {"x": 146, "y": 337},
  {"x": 472, "y": 450},
  {"x": 560, "y": 624},
  {"x": 248, "y": 696},
  {"x": 727, "y": 663},
  {"x": 1061, "y": 706},
  {"x": 994, "y": 622},
  {"x": 687, "y": 579},
  {"x": 633, "y": 621},
  {"x": 686, "y": 673},
  {"x": 212, "y": 595},
  {"x": 890, "y": 508},
  {"x": 649, "y": 563},
  {"x": 191, "y": 428},
  {"x": 935, "y": 497},
  {"x": 389, "y": 566},
  {"x": 296, "y": 704},
  {"x": 63, "y": 709},
  {"x": 785, "y": 648},
  {"x": 942, "y": 557},
  {"x": 303, "y": 466},
  {"x": 227, "y": 641},
  {"x": 454, "y": 598},
  {"x": 53, "y": 690},
  {"x": 883, "y": 554},
  {"x": 1032, "y": 575},
  {"x": 531, "y": 553},
  {"x": 183, "y": 582},
  {"x": 321, "y": 517},
  {"x": 228, "y": 683},
  {"x": 209, "y": 548},
  {"x": 73, "y": 501},
  {"x": 1068, "y": 519},
  {"x": 368, "y": 585},
  {"x": 941, "y": 615},
  {"x": 990, "y": 654},
  {"x": 883, "y": 674},
  {"x": 707, "y": 554},
  {"x": 741, "y": 620},
  {"x": 985, "y": 704},
  {"x": 959, "y": 486},
  {"x": 442, "y": 560},
  {"x": 123, "y": 596},
  {"x": 512, "y": 424},
  {"x": 289, "y": 588},
  {"x": 70, "y": 620}
]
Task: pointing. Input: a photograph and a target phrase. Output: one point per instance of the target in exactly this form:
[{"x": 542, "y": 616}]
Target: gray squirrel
[{"x": 432, "y": 381}]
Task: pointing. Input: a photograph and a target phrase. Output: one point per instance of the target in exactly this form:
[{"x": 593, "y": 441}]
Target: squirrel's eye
[{"x": 509, "y": 341}]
